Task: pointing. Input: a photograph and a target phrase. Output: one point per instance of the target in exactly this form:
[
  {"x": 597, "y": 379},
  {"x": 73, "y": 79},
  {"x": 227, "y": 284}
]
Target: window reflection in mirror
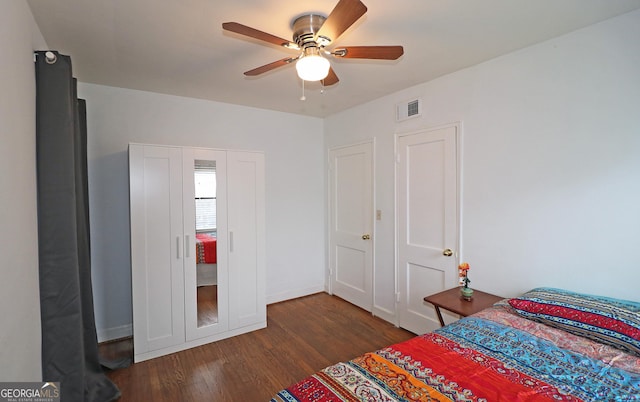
[{"x": 206, "y": 242}]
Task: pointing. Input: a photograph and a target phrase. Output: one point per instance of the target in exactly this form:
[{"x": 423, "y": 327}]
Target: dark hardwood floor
[{"x": 302, "y": 336}]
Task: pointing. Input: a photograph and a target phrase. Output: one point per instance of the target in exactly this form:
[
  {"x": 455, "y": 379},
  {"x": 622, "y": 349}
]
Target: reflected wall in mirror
[{"x": 206, "y": 241}]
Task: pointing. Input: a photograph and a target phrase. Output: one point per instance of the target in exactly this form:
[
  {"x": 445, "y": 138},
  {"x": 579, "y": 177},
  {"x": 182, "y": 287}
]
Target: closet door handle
[
  {"x": 178, "y": 247},
  {"x": 231, "y": 242},
  {"x": 187, "y": 247}
]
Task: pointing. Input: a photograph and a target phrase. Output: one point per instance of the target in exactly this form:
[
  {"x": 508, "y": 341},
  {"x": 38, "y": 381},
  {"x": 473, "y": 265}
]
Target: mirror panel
[{"x": 206, "y": 242}]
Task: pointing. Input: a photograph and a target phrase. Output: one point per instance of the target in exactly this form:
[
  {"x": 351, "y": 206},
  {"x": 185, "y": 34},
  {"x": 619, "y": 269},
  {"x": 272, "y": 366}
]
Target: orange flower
[{"x": 463, "y": 270}]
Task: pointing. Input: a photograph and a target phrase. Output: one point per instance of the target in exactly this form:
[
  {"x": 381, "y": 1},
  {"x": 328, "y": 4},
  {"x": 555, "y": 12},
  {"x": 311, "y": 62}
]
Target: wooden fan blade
[
  {"x": 330, "y": 79},
  {"x": 344, "y": 14},
  {"x": 269, "y": 67},
  {"x": 369, "y": 52},
  {"x": 256, "y": 34}
]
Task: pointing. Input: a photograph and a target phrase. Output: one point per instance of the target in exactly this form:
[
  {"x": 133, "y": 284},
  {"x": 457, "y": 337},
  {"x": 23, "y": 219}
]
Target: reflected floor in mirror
[{"x": 207, "y": 305}]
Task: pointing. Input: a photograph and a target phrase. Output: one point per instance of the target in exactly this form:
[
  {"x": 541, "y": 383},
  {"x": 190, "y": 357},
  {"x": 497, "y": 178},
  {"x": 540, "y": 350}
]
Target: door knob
[
  {"x": 447, "y": 252},
  {"x": 365, "y": 237}
]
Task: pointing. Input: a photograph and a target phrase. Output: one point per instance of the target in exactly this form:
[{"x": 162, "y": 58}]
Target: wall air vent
[{"x": 408, "y": 109}]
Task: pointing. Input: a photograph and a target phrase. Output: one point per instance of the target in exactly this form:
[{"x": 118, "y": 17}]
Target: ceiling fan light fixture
[
  {"x": 312, "y": 33},
  {"x": 312, "y": 67}
]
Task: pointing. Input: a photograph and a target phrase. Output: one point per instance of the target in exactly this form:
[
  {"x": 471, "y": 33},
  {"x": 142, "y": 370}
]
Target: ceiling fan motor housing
[{"x": 305, "y": 29}]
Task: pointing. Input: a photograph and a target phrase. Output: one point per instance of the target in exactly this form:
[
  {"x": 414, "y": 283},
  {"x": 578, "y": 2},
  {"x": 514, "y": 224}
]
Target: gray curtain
[{"x": 69, "y": 341}]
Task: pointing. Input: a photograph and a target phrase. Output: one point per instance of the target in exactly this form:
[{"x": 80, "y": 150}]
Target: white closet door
[
  {"x": 156, "y": 246},
  {"x": 427, "y": 181},
  {"x": 191, "y": 156},
  {"x": 246, "y": 226},
  {"x": 351, "y": 223}
]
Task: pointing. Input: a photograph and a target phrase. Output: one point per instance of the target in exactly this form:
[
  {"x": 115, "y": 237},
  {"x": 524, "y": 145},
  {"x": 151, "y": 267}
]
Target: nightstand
[{"x": 452, "y": 301}]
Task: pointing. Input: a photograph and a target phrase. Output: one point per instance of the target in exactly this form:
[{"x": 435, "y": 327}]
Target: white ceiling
[{"x": 178, "y": 46}]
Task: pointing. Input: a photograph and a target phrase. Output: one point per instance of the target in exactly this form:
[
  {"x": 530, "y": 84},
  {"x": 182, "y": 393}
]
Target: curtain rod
[{"x": 49, "y": 56}]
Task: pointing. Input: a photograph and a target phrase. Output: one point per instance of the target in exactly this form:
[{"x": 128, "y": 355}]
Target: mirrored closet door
[{"x": 206, "y": 282}]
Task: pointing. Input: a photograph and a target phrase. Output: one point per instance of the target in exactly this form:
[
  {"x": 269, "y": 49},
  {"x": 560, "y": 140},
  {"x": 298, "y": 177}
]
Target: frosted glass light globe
[{"x": 312, "y": 67}]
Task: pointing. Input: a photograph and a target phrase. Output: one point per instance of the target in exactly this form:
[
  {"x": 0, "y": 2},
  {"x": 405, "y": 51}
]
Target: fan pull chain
[{"x": 302, "y": 98}]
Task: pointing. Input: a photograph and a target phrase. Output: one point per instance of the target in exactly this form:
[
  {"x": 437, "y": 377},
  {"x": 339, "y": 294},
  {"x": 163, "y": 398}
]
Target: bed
[{"x": 547, "y": 345}]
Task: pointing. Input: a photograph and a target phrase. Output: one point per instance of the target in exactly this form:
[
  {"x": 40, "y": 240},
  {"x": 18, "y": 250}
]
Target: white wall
[
  {"x": 19, "y": 289},
  {"x": 551, "y": 163},
  {"x": 551, "y": 166},
  {"x": 293, "y": 147}
]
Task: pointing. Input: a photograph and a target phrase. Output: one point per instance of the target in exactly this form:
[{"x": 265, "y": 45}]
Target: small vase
[{"x": 467, "y": 293}]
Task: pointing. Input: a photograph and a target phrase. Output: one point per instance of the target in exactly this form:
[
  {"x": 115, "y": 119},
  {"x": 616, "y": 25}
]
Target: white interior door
[
  {"x": 351, "y": 223},
  {"x": 157, "y": 252},
  {"x": 427, "y": 206},
  {"x": 246, "y": 238}
]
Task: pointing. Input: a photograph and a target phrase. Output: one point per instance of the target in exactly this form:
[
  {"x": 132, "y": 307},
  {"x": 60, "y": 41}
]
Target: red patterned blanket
[
  {"x": 206, "y": 248},
  {"x": 476, "y": 359}
]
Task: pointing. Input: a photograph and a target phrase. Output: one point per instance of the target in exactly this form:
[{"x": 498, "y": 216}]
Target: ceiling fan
[{"x": 312, "y": 34}]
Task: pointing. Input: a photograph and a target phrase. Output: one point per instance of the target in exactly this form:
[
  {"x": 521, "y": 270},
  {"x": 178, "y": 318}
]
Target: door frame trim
[
  {"x": 458, "y": 243},
  {"x": 328, "y": 272}
]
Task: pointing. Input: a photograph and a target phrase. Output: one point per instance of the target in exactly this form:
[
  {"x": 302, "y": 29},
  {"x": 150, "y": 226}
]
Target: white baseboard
[
  {"x": 294, "y": 294},
  {"x": 385, "y": 314},
  {"x": 109, "y": 334}
]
